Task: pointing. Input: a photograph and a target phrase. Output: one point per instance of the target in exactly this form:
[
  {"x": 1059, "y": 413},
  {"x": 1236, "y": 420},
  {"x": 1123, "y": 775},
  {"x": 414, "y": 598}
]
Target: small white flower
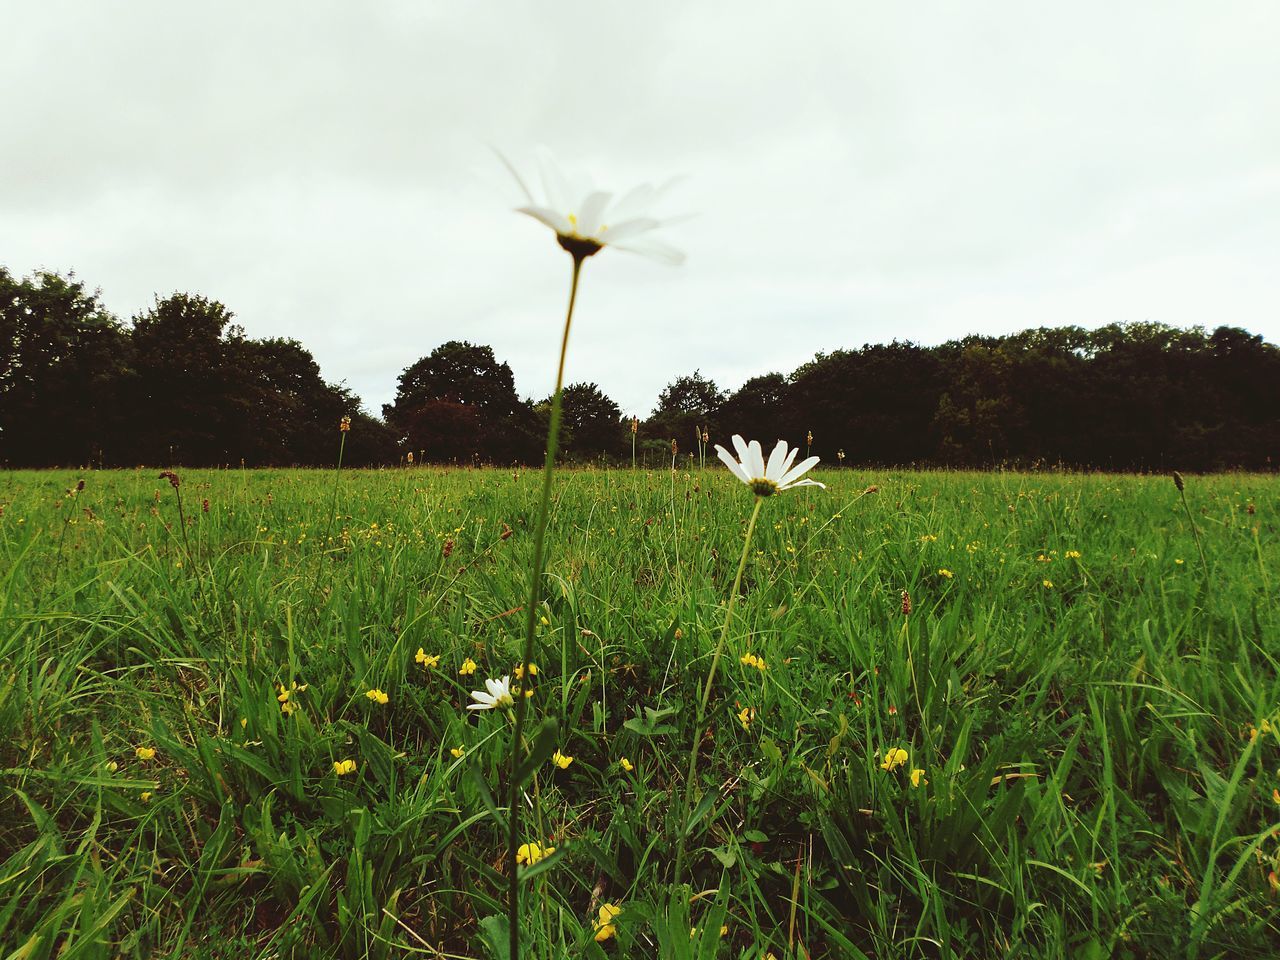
[
  {"x": 498, "y": 695},
  {"x": 775, "y": 476},
  {"x": 586, "y": 220}
]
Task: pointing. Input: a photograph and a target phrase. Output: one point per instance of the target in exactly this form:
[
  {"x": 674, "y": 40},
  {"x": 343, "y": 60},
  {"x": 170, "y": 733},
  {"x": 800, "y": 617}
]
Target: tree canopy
[{"x": 182, "y": 384}]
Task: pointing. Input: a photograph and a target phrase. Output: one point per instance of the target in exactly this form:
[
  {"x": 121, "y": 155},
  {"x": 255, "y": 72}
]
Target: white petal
[
  {"x": 591, "y": 212},
  {"x": 791, "y": 458},
  {"x": 755, "y": 461},
  {"x": 634, "y": 203},
  {"x": 555, "y": 221},
  {"x": 803, "y": 483},
  {"x": 732, "y": 464},
  {"x": 519, "y": 179},
  {"x": 553, "y": 181},
  {"x": 773, "y": 469},
  {"x": 494, "y": 688},
  {"x": 627, "y": 228},
  {"x": 798, "y": 471},
  {"x": 653, "y": 249},
  {"x": 480, "y": 706},
  {"x": 741, "y": 446}
]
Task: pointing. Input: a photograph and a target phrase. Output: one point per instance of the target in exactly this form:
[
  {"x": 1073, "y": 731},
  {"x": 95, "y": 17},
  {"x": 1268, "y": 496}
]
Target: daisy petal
[
  {"x": 741, "y": 446},
  {"x": 803, "y": 483},
  {"x": 755, "y": 465},
  {"x": 519, "y": 179},
  {"x": 628, "y": 228},
  {"x": 555, "y": 221},
  {"x": 773, "y": 469},
  {"x": 732, "y": 464},
  {"x": 591, "y": 213},
  {"x": 653, "y": 249},
  {"x": 798, "y": 471}
]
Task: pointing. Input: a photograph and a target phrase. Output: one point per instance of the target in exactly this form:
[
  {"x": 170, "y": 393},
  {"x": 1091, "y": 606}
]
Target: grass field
[{"x": 1088, "y": 715}]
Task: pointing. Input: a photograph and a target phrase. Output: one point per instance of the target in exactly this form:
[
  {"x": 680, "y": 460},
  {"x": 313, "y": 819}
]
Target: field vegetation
[{"x": 962, "y": 715}]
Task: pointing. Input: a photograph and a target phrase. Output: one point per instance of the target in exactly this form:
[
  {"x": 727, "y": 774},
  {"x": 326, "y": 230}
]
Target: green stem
[
  {"x": 1204, "y": 563},
  {"x": 706, "y": 692},
  {"x": 531, "y": 615}
]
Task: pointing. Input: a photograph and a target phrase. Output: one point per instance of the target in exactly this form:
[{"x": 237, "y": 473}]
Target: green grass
[{"x": 1092, "y": 786}]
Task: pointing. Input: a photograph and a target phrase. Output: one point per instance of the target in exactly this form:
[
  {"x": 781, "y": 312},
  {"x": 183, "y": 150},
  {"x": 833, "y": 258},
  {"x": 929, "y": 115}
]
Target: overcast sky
[{"x": 859, "y": 172}]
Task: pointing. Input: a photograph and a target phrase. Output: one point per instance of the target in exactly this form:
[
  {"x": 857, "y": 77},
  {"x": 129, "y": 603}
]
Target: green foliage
[{"x": 1097, "y": 757}]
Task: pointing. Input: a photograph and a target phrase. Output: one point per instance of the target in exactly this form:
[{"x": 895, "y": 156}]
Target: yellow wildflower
[
  {"x": 560, "y": 760},
  {"x": 378, "y": 697},
  {"x": 918, "y": 777},
  {"x": 343, "y": 767},
  {"x": 605, "y": 926},
  {"x": 145, "y": 796},
  {"x": 893, "y": 759},
  {"x": 1048, "y": 584},
  {"x": 145, "y": 753},
  {"x": 427, "y": 660},
  {"x": 519, "y": 671},
  {"x": 626, "y": 764},
  {"x": 457, "y": 752},
  {"x": 944, "y": 572},
  {"x": 531, "y": 853},
  {"x": 751, "y": 660},
  {"x": 745, "y": 716},
  {"x": 1072, "y": 554},
  {"x": 468, "y": 667}
]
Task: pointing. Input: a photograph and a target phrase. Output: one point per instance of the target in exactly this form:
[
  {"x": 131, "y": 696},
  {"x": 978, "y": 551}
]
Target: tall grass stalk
[{"x": 682, "y": 824}]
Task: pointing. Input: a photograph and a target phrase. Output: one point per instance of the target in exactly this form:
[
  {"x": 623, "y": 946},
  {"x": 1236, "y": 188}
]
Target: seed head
[
  {"x": 1177, "y": 480},
  {"x": 906, "y": 604}
]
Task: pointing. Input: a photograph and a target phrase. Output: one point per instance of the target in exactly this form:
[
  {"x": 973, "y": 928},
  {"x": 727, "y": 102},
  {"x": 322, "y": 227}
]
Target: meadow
[{"x": 965, "y": 715}]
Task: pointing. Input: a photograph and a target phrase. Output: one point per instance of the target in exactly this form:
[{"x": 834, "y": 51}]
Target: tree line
[{"x": 180, "y": 383}]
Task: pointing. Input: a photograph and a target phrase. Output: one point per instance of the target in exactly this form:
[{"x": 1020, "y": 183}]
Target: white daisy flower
[
  {"x": 766, "y": 479},
  {"x": 586, "y": 220},
  {"x": 498, "y": 695}
]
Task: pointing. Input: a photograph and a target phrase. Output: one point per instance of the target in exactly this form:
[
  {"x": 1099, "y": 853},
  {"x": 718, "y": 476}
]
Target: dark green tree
[
  {"x": 591, "y": 421},
  {"x": 62, "y": 358},
  {"x": 685, "y": 403}
]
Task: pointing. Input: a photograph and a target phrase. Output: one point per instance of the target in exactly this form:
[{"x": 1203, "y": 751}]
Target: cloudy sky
[{"x": 859, "y": 171}]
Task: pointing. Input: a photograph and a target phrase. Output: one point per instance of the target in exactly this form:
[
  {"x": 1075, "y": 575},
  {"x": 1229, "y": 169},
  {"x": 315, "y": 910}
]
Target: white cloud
[{"x": 860, "y": 172}]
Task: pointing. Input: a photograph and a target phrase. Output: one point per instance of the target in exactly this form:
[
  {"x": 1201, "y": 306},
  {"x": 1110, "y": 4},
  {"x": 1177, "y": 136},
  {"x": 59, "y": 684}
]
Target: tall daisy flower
[
  {"x": 585, "y": 221},
  {"x": 765, "y": 479}
]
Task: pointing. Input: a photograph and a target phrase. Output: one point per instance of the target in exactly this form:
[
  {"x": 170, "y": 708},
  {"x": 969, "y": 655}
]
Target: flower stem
[
  {"x": 682, "y": 824},
  {"x": 531, "y": 615}
]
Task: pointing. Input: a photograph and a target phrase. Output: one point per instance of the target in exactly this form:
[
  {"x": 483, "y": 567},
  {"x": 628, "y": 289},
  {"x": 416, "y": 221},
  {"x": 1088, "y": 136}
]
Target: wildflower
[
  {"x": 145, "y": 753},
  {"x": 775, "y": 476},
  {"x": 1048, "y": 584},
  {"x": 906, "y": 604},
  {"x": 285, "y": 699},
  {"x": 944, "y": 572},
  {"x": 1072, "y": 554},
  {"x": 585, "y": 222},
  {"x": 560, "y": 760},
  {"x": 457, "y": 752},
  {"x": 377, "y": 696},
  {"x": 531, "y": 853},
  {"x": 145, "y": 796},
  {"x": 745, "y": 716},
  {"x": 171, "y": 477},
  {"x": 408, "y": 457},
  {"x": 1179, "y": 561},
  {"x": 468, "y": 667},
  {"x": 626, "y": 764},
  {"x": 751, "y": 660},
  {"x": 498, "y": 695},
  {"x": 893, "y": 759},
  {"x": 344, "y": 424},
  {"x": 343, "y": 767},
  {"x": 427, "y": 660},
  {"x": 605, "y": 926},
  {"x": 918, "y": 777},
  {"x": 533, "y": 667}
]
